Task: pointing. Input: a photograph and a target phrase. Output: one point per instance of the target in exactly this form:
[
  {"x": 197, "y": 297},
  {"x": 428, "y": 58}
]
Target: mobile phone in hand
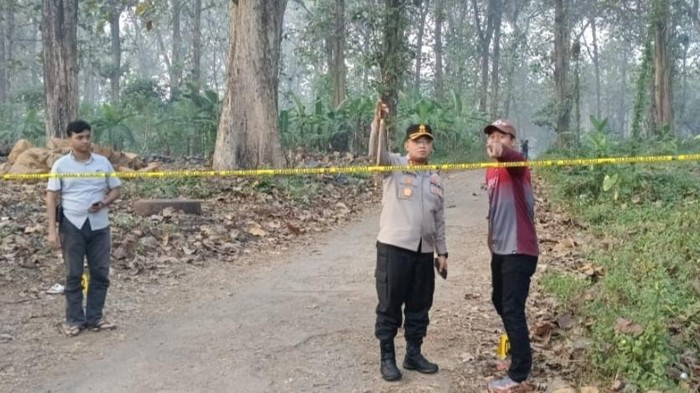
[{"x": 443, "y": 273}]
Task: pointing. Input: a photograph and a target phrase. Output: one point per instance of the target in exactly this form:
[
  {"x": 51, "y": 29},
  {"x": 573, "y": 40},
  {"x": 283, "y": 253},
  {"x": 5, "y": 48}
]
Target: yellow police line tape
[{"x": 361, "y": 169}]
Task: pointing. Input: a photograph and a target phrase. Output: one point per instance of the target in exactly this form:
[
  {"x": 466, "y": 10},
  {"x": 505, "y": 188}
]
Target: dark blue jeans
[
  {"x": 77, "y": 244},
  {"x": 511, "y": 285}
]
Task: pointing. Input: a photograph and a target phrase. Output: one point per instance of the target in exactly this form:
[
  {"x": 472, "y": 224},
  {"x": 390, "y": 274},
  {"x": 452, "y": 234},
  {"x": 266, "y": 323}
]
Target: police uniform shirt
[{"x": 412, "y": 209}]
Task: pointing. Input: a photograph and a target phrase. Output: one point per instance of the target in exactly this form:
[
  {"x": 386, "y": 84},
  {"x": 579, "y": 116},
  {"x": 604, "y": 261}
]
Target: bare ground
[{"x": 278, "y": 320}]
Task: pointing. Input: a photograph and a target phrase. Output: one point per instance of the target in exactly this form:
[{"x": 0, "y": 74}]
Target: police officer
[{"x": 412, "y": 230}]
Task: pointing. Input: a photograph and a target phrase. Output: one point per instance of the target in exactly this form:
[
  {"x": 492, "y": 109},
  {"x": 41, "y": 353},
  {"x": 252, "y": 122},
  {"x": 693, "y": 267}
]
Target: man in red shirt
[{"x": 513, "y": 243}]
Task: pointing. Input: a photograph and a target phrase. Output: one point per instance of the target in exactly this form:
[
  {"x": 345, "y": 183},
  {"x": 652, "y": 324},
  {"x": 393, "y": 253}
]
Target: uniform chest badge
[{"x": 407, "y": 192}]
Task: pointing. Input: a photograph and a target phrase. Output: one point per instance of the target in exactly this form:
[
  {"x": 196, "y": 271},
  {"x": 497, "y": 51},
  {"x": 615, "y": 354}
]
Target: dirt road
[{"x": 298, "y": 321}]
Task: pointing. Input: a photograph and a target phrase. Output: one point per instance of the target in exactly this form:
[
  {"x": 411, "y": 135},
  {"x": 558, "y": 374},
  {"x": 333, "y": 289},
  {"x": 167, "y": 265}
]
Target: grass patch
[
  {"x": 650, "y": 214},
  {"x": 564, "y": 288}
]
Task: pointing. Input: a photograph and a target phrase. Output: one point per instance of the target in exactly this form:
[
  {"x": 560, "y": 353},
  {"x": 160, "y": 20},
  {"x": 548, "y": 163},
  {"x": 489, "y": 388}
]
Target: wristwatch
[{"x": 443, "y": 255}]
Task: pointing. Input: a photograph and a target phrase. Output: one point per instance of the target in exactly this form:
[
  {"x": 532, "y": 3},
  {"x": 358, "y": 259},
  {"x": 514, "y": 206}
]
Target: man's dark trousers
[
  {"x": 403, "y": 277},
  {"x": 96, "y": 246},
  {"x": 511, "y": 285}
]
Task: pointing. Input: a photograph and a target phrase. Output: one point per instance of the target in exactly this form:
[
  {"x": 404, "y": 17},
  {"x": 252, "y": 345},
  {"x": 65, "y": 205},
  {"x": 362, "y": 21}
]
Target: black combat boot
[
  {"x": 388, "y": 361},
  {"x": 414, "y": 360}
]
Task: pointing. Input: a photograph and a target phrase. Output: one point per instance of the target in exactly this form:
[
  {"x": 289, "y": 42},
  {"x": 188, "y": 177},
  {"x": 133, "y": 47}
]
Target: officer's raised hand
[{"x": 381, "y": 111}]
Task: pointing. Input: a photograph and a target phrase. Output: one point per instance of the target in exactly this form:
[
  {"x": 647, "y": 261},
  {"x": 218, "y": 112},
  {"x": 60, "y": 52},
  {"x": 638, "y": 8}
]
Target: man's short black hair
[{"x": 77, "y": 126}]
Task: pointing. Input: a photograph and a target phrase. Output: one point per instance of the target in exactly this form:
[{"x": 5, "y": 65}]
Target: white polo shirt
[{"x": 78, "y": 193}]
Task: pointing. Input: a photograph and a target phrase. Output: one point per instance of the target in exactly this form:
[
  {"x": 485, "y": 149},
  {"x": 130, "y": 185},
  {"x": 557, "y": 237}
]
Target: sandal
[
  {"x": 503, "y": 385},
  {"x": 71, "y": 330},
  {"x": 103, "y": 325}
]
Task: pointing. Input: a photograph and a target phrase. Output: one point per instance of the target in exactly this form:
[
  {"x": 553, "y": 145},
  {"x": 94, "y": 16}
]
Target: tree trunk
[
  {"x": 596, "y": 65},
  {"x": 393, "y": 61},
  {"x": 663, "y": 92},
  {"x": 4, "y": 61},
  {"x": 176, "y": 56},
  {"x": 561, "y": 72},
  {"x": 339, "y": 54},
  {"x": 495, "y": 75},
  {"x": 623, "y": 111},
  {"x": 34, "y": 69},
  {"x": 576, "y": 91},
  {"x": 485, "y": 37},
  {"x": 197, "y": 44},
  {"x": 115, "y": 74},
  {"x": 424, "y": 6},
  {"x": 439, "y": 76},
  {"x": 641, "y": 100},
  {"x": 684, "y": 81},
  {"x": 88, "y": 81},
  {"x": 248, "y": 135},
  {"x": 59, "y": 38},
  {"x": 519, "y": 39}
]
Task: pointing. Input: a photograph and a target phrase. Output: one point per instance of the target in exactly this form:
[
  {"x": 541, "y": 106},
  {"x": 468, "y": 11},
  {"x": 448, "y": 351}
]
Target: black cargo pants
[{"x": 407, "y": 278}]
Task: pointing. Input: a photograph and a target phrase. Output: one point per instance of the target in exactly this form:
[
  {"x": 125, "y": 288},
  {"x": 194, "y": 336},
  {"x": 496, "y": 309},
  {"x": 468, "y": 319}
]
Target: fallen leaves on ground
[{"x": 241, "y": 215}]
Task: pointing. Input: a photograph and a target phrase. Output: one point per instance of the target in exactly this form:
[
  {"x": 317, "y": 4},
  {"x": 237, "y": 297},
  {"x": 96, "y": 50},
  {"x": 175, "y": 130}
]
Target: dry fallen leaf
[
  {"x": 33, "y": 229},
  {"x": 293, "y": 229},
  {"x": 257, "y": 230},
  {"x": 626, "y": 326},
  {"x": 566, "y": 321}
]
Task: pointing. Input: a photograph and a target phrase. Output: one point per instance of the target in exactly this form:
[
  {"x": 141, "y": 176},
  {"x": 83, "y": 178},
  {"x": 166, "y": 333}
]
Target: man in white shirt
[{"x": 83, "y": 227}]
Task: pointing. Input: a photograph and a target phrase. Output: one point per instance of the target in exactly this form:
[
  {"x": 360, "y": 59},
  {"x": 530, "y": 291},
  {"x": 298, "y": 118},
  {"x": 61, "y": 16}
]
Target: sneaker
[
  {"x": 103, "y": 325},
  {"x": 503, "y": 385}
]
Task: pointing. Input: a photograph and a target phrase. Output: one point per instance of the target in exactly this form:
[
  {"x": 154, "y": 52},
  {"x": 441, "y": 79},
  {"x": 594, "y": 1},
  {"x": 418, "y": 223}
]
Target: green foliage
[
  {"x": 110, "y": 128},
  {"x": 649, "y": 213},
  {"x": 622, "y": 183},
  {"x": 143, "y": 94},
  {"x": 324, "y": 128},
  {"x": 456, "y": 130},
  {"x": 20, "y": 118},
  {"x": 145, "y": 121}
]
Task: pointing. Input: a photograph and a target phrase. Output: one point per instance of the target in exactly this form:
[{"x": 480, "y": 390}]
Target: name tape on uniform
[{"x": 359, "y": 169}]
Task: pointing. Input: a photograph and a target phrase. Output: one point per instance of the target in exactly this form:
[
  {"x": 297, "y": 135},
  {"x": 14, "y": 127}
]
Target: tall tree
[
  {"x": 4, "y": 58},
  {"x": 197, "y": 44},
  {"x": 338, "y": 53},
  {"x": 596, "y": 64},
  {"x": 115, "y": 12},
  {"x": 561, "y": 70},
  {"x": 484, "y": 36},
  {"x": 248, "y": 135},
  {"x": 176, "y": 62},
  {"x": 393, "y": 61},
  {"x": 438, "y": 49},
  {"x": 513, "y": 53},
  {"x": 424, "y": 8},
  {"x": 60, "y": 44},
  {"x": 497, "y": 13},
  {"x": 663, "y": 92}
]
